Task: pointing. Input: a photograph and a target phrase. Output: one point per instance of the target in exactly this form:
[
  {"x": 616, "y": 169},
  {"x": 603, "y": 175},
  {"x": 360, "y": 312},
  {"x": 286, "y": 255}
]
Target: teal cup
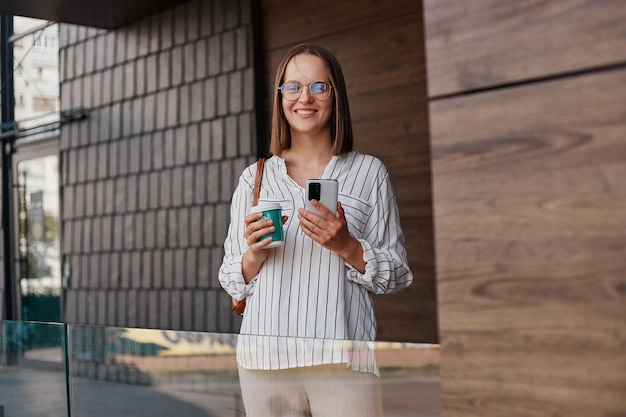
[{"x": 271, "y": 211}]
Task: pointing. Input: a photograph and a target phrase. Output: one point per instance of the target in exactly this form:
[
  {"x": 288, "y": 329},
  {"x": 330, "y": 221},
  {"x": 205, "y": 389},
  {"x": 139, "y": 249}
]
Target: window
[{"x": 41, "y": 104}]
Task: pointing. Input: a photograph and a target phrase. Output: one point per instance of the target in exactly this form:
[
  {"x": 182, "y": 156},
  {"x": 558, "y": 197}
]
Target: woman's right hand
[
  {"x": 256, "y": 229},
  {"x": 257, "y": 253}
]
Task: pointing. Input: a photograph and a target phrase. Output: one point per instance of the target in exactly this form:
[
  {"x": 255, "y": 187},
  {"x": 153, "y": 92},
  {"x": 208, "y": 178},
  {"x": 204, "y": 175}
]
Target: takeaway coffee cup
[{"x": 271, "y": 211}]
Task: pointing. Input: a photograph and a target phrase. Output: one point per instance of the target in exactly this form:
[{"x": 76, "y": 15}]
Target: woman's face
[{"x": 307, "y": 115}]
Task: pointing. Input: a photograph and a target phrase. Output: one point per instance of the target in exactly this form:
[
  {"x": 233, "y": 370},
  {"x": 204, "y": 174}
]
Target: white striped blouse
[{"x": 306, "y": 300}]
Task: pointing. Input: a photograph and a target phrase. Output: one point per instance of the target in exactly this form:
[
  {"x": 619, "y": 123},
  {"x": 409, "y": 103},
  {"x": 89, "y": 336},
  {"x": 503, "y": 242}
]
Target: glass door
[{"x": 36, "y": 179}]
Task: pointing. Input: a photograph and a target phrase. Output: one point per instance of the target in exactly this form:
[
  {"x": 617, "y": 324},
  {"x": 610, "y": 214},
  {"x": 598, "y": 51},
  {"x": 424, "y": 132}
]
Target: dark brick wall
[{"x": 147, "y": 178}]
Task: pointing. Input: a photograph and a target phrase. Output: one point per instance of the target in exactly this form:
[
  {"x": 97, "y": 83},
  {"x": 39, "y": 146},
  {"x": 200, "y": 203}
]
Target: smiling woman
[{"x": 309, "y": 311}]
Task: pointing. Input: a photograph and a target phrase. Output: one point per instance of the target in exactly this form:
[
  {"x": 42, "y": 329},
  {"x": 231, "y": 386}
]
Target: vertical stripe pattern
[{"x": 306, "y": 300}]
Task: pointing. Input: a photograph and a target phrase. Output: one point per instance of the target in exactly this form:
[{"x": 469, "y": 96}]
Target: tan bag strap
[
  {"x": 257, "y": 181},
  {"x": 239, "y": 306}
]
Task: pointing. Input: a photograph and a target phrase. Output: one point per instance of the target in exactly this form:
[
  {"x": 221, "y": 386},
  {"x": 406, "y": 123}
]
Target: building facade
[
  {"x": 175, "y": 105},
  {"x": 514, "y": 109},
  {"x": 147, "y": 177}
]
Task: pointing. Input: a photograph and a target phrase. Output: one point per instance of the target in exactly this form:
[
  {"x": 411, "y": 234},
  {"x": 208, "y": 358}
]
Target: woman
[{"x": 305, "y": 299}]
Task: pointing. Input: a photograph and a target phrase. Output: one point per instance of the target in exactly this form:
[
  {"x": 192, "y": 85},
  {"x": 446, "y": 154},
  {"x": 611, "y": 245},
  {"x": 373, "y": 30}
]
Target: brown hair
[{"x": 340, "y": 122}]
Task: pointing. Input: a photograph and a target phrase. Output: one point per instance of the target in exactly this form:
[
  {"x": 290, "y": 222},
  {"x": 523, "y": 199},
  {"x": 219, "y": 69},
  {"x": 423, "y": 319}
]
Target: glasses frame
[{"x": 301, "y": 89}]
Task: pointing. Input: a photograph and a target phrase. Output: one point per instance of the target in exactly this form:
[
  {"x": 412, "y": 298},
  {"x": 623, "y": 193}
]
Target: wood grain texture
[
  {"x": 290, "y": 23},
  {"x": 380, "y": 48},
  {"x": 475, "y": 44},
  {"x": 530, "y": 218}
]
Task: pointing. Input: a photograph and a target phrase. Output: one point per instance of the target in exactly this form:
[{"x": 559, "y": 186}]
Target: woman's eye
[
  {"x": 291, "y": 87},
  {"x": 317, "y": 88}
]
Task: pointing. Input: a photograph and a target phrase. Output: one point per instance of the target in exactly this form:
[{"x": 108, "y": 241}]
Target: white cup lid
[{"x": 265, "y": 205}]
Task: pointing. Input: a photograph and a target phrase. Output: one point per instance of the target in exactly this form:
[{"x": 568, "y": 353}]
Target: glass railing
[{"x": 51, "y": 369}]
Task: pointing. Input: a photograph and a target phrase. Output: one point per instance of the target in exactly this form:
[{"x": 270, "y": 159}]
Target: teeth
[{"x": 305, "y": 111}]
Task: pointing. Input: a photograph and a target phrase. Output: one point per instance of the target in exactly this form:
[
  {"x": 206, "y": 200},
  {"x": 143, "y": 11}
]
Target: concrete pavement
[
  {"x": 194, "y": 386},
  {"x": 26, "y": 392},
  {"x": 36, "y": 392}
]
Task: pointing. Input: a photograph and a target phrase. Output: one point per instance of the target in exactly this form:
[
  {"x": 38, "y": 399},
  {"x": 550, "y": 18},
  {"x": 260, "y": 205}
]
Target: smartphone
[{"x": 323, "y": 190}]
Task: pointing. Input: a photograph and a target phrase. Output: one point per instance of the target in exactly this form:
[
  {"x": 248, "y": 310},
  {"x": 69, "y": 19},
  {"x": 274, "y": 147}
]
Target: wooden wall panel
[
  {"x": 530, "y": 218},
  {"x": 288, "y": 23},
  {"x": 380, "y": 48},
  {"x": 474, "y": 44}
]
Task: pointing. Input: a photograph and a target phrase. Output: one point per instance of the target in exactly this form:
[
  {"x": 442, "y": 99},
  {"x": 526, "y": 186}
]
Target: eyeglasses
[{"x": 292, "y": 90}]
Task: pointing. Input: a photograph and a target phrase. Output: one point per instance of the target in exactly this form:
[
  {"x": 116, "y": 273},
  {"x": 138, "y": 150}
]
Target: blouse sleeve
[
  {"x": 386, "y": 264},
  {"x": 230, "y": 273}
]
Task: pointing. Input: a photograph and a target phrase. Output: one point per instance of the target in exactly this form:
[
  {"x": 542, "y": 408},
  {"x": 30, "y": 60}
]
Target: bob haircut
[{"x": 340, "y": 121}]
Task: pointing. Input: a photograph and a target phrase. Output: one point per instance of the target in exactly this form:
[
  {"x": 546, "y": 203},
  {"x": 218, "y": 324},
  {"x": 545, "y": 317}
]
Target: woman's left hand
[{"x": 332, "y": 232}]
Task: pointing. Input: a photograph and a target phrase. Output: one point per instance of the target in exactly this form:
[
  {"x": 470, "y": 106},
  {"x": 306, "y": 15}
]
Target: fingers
[
  {"x": 256, "y": 229},
  {"x": 252, "y": 218},
  {"x": 324, "y": 211},
  {"x": 258, "y": 247},
  {"x": 329, "y": 216},
  {"x": 324, "y": 231}
]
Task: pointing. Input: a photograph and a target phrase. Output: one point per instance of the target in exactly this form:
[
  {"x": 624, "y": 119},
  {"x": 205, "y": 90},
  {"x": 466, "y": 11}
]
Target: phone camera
[{"x": 314, "y": 191}]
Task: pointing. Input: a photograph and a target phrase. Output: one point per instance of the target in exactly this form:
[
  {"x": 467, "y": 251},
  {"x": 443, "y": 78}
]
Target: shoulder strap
[{"x": 257, "y": 181}]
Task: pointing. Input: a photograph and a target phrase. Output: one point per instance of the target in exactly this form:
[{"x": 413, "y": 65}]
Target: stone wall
[{"x": 146, "y": 179}]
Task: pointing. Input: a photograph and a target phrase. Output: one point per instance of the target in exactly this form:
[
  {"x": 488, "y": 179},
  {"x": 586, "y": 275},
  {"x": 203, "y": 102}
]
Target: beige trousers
[{"x": 317, "y": 391}]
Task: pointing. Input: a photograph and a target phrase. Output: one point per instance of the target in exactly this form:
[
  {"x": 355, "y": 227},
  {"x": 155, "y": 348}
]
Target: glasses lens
[
  {"x": 320, "y": 88},
  {"x": 291, "y": 89}
]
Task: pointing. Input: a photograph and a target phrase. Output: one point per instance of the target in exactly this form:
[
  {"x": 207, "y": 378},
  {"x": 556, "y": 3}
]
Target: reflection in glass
[
  {"x": 38, "y": 233},
  {"x": 166, "y": 372},
  {"x": 36, "y": 75},
  {"x": 32, "y": 378},
  {"x": 140, "y": 372}
]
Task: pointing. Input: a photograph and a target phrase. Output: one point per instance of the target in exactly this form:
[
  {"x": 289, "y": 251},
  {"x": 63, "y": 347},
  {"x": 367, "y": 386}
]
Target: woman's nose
[{"x": 305, "y": 96}]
